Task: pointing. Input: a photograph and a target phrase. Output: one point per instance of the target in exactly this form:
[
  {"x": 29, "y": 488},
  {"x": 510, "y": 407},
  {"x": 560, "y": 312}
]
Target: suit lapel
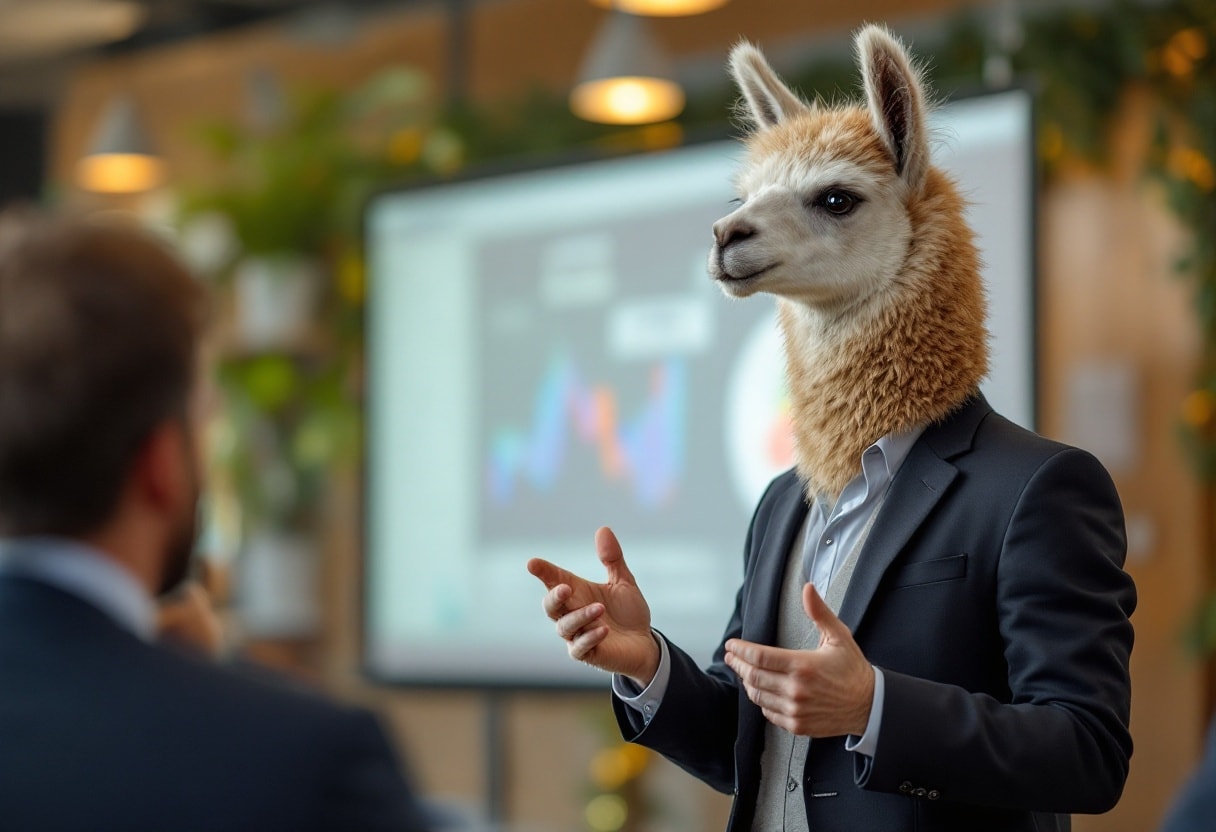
[
  {"x": 920, "y": 483},
  {"x": 764, "y": 587},
  {"x": 918, "y": 486}
]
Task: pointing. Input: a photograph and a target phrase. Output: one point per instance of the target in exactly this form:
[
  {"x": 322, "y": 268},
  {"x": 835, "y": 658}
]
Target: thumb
[
  {"x": 609, "y": 550},
  {"x": 831, "y": 629}
]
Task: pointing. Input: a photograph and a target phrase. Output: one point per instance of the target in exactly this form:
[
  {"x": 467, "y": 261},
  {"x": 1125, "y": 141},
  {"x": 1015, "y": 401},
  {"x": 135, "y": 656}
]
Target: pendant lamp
[
  {"x": 120, "y": 158},
  {"x": 661, "y": 8},
  {"x": 625, "y": 77}
]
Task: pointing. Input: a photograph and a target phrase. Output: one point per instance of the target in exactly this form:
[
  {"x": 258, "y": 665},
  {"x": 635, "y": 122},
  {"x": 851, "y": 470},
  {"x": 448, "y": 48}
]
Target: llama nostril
[{"x": 731, "y": 232}]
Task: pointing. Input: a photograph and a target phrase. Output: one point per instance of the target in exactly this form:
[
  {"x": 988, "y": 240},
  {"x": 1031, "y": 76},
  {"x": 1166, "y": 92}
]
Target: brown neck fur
[{"x": 909, "y": 355}]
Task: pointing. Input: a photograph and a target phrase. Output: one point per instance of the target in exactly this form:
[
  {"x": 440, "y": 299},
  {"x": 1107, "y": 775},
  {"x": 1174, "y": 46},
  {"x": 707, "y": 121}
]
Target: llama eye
[{"x": 837, "y": 202}]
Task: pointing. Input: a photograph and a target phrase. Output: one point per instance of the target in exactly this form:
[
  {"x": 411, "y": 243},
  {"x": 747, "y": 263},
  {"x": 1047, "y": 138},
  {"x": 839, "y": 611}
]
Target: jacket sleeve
[
  {"x": 1063, "y": 602},
  {"x": 697, "y": 723}
]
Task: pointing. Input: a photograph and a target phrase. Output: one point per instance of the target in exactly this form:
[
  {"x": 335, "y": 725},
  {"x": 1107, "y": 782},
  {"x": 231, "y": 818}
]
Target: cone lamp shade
[
  {"x": 120, "y": 158},
  {"x": 661, "y": 8},
  {"x": 625, "y": 78}
]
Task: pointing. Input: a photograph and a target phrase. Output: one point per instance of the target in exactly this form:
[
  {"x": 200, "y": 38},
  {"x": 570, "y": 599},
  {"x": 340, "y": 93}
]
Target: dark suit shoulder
[
  {"x": 240, "y": 681},
  {"x": 265, "y": 709},
  {"x": 214, "y": 747},
  {"x": 995, "y": 432},
  {"x": 1020, "y": 453},
  {"x": 53, "y": 641}
]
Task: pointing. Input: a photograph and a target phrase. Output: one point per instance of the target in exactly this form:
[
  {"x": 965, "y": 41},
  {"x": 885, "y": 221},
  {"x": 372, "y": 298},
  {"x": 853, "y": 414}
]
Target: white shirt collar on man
[
  {"x": 82, "y": 571},
  {"x": 880, "y": 463},
  {"x": 832, "y": 530}
]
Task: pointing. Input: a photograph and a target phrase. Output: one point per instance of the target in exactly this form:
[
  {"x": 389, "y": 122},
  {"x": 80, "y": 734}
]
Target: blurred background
[{"x": 257, "y": 132}]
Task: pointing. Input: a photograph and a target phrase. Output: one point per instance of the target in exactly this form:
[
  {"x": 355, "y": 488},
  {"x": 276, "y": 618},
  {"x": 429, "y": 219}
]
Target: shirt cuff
[
  {"x": 647, "y": 701},
  {"x": 867, "y": 743}
]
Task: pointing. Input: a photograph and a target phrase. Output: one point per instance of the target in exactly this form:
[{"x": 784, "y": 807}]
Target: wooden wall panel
[{"x": 1109, "y": 294}]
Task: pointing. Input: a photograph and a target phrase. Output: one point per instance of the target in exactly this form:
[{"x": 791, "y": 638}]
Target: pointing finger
[{"x": 550, "y": 574}]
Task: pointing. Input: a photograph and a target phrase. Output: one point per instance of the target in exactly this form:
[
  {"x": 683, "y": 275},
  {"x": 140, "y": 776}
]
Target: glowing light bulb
[
  {"x": 661, "y": 8},
  {"x": 120, "y": 173},
  {"x": 627, "y": 100}
]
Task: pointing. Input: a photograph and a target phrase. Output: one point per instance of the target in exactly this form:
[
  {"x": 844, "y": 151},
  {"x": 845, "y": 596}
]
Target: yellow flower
[
  {"x": 636, "y": 757},
  {"x": 1189, "y": 163},
  {"x": 606, "y": 812},
  {"x": 1051, "y": 142},
  {"x": 609, "y": 769},
  {"x": 351, "y": 277},
  {"x": 1191, "y": 42},
  {"x": 405, "y": 146},
  {"x": 613, "y": 767},
  {"x": 1182, "y": 51},
  {"x": 1198, "y": 409}
]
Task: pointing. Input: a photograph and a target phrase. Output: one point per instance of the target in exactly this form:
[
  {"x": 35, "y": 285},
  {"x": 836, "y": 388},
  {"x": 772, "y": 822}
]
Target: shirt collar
[
  {"x": 879, "y": 464},
  {"x": 882, "y": 460},
  {"x": 88, "y": 574},
  {"x": 896, "y": 446}
]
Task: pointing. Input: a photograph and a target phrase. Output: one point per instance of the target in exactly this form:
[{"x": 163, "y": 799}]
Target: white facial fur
[
  {"x": 783, "y": 239},
  {"x": 802, "y": 251}
]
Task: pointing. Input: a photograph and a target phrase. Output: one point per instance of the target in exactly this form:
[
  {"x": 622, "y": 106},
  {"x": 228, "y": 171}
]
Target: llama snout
[
  {"x": 735, "y": 255},
  {"x": 732, "y": 229}
]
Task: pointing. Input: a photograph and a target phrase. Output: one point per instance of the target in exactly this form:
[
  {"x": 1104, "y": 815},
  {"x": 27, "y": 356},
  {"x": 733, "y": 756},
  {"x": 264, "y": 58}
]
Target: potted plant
[{"x": 276, "y": 232}]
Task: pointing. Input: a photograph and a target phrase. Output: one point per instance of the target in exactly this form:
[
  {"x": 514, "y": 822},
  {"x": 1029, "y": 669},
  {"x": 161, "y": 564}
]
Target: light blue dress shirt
[
  {"x": 85, "y": 573},
  {"x": 831, "y": 532}
]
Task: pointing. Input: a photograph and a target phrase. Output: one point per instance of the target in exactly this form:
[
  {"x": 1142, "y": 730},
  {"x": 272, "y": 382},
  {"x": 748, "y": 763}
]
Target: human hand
[
  {"x": 186, "y": 617},
  {"x": 605, "y": 625},
  {"x": 826, "y": 692}
]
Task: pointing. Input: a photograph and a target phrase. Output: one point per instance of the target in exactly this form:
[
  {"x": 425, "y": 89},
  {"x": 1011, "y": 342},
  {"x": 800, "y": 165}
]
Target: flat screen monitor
[{"x": 546, "y": 355}]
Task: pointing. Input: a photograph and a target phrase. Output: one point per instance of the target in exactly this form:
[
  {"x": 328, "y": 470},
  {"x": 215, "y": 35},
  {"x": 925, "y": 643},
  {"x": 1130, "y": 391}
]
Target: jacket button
[
  {"x": 919, "y": 793},
  {"x": 934, "y": 794},
  {"x": 905, "y": 787},
  {"x": 791, "y": 785}
]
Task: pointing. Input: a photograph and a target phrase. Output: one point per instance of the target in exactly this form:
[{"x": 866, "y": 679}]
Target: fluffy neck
[{"x": 911, "y": 354}]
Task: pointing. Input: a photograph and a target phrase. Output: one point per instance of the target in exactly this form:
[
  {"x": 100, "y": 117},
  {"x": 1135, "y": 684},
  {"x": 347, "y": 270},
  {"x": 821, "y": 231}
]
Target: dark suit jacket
[
  {"x": 992, "y": 595},
  {"x": 100, "y": 731},
  {"x": 1194, "y": 809}
]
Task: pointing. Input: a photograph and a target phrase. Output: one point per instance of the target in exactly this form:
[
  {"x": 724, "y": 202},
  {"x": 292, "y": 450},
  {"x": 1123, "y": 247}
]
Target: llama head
[{"x": 826, "y": 193}]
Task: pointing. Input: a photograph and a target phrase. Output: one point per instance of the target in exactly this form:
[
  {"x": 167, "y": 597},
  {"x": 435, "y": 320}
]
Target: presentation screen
[{"x": 547, "y": 355}]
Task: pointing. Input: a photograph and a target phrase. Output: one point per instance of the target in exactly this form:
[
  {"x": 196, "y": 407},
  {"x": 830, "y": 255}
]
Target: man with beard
[{"x": 102, "y": 728}]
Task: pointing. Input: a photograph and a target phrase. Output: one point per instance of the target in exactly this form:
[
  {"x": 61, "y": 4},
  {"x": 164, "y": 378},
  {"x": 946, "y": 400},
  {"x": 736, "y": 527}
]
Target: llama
[
  {"x": 986, "y": 593},
  {"x": 863, "y": 242}
]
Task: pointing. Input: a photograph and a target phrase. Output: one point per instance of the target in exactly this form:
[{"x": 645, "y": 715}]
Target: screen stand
[{"x": 496, "y": 758}]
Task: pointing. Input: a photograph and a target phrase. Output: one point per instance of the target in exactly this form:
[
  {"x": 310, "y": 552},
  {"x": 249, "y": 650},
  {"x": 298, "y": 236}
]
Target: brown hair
[{"x": 99, "y": 328}]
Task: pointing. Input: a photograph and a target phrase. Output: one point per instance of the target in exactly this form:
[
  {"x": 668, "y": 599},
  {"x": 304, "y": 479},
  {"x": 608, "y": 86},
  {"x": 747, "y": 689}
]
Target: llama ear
[
  {"x": 768, "y": 99},
  {"x": 896, "y": 96}
]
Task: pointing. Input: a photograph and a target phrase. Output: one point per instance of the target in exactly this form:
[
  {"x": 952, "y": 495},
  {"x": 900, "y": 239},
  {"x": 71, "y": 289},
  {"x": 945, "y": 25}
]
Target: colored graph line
[{"x": 646, "y": 452}]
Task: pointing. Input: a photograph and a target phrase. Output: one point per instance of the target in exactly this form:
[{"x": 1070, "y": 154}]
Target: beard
[{"x": 179, "y": 548}]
